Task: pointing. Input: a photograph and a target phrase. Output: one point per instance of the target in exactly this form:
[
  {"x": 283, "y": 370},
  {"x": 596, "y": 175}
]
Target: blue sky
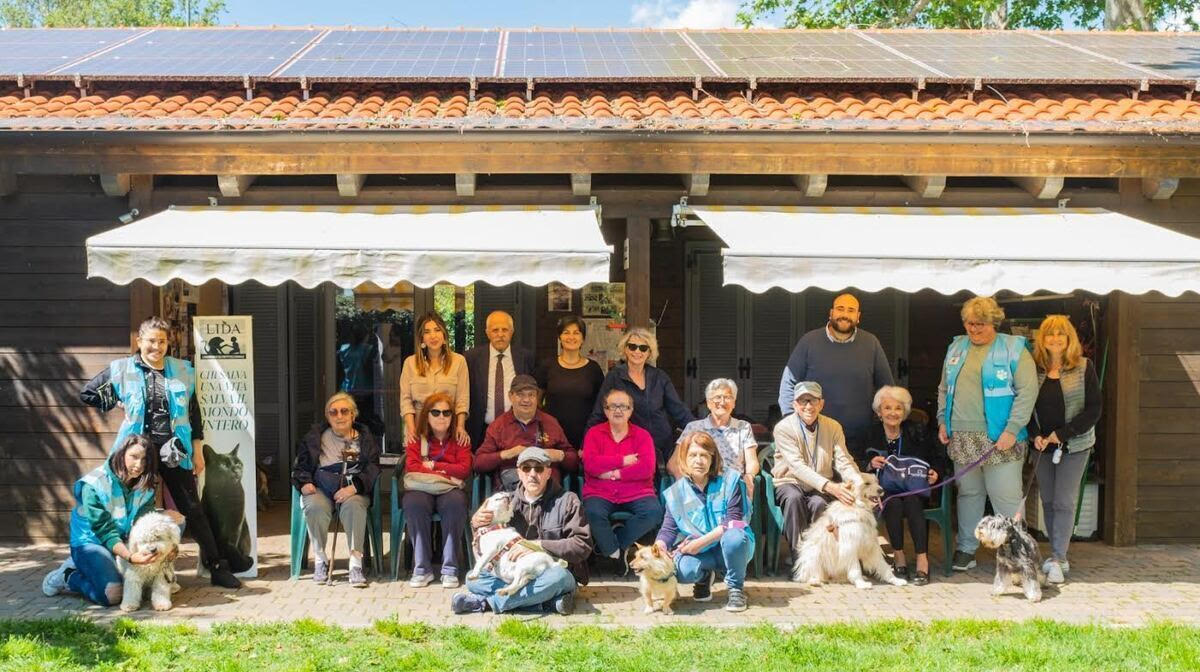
[{"x": 481, "y": 14}]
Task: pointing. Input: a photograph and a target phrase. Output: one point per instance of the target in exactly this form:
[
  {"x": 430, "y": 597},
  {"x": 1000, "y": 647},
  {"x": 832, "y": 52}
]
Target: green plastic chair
[
  {"x": 398, "y": 546},
  {"x": 372, "y": 546}
]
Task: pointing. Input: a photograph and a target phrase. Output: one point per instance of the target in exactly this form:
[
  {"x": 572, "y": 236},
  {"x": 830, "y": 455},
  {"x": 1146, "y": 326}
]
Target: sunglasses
[
  {"x": 335, "y": 412},
  {"x": 535, "y": 468},
  {"x": 637, "y": 346},
  {"x": 438, "y": 413}
]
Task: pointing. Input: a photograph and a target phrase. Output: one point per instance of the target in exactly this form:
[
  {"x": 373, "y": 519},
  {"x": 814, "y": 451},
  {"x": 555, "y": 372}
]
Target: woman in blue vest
[
  {"x": 1064, "y": 423},
  {"x": 107, "y": 502},
  {"x": 158, "y": 396},
  {"x": 705, "y": 521},
  {"x": 985, "y": 398}
]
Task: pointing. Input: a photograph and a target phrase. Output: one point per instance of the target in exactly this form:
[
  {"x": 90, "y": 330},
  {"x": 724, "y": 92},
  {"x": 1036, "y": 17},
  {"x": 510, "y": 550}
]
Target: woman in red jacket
[{"x": 436, "y": 451}]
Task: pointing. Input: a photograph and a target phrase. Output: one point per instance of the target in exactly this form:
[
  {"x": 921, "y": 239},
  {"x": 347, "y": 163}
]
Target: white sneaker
[
  {"x": 1054, "y": 573},
  {"x": 55, "y": 582},
  {"x": 420, "y": 580},
  {"x": 449, "y": 581}
]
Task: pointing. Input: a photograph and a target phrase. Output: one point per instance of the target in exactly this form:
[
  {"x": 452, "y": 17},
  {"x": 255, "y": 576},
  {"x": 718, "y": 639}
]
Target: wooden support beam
[
  {"x": 1159, "y": 188},
  {"x": 637, "y": 274},
  {"x": 696, "y": 183},
  {"x": 813, "y": 186},
  {"x": 350, "y": 184},
  {"x": 581, "y": 184},
  {"x": 1040, "y": 187},
  {"x": 234, "y": 186},
  {"x": 115, "y": 184},
  {"x": 8, "y": 184},
  {"x": 464, "y": 184},
  {"x": 1122, "y": 399},
  {"x": 926, "y": 186}
]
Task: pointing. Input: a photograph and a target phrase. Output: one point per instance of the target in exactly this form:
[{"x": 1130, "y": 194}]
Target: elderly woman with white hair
[
  {"x": 896, "y": 434},
  {"x": 988, "y": 389},
  {"x": 734, "y": 437},
  {"x": 656, "y": 405}
]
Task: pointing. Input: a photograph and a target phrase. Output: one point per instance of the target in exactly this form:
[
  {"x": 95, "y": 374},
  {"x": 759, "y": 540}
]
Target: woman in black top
[
  {"x": 896, "y": 434},
  {"x": 570, "y": 381}
]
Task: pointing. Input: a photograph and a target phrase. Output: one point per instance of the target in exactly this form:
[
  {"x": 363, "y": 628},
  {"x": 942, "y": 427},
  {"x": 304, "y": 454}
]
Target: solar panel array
[{"x": 291, "y": 53}]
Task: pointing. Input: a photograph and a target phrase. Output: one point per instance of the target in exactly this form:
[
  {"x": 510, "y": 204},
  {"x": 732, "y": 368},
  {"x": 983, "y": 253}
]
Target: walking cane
[{"x": 349, "y": 452}]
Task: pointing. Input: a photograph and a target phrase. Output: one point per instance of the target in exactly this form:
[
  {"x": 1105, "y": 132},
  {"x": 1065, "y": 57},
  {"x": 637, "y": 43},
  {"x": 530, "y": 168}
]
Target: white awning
[
  {"x": 981, "y": 250},
  {"x": 351, "y": 245}
]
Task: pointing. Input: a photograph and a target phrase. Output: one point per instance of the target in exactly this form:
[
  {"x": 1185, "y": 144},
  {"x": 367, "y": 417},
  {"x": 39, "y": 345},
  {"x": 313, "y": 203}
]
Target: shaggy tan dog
[{"x": 656, "y": 575}]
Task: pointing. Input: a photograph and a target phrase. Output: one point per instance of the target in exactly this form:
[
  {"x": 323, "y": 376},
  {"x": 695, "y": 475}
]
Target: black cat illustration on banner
[{"x": 224, "y": 501}]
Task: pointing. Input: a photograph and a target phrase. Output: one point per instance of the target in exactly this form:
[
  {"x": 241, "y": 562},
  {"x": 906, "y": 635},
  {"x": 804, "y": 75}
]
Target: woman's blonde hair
[
  {"x": 1053, "y": 325},
  {"x": 983, "y": 309},
  {"x": 421, "y": 359},
  {"x": 644, "y": 334}
]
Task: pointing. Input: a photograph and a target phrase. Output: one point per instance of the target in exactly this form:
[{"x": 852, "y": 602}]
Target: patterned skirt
[{"x": 966, "y": 447}]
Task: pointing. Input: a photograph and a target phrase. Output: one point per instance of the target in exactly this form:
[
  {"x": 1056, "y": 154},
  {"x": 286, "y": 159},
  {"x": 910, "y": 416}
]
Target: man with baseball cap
[
  {"x": 809, "y": 447},
  {"x": 553, "y": 517},
  {"x": 521, "y": 426}
]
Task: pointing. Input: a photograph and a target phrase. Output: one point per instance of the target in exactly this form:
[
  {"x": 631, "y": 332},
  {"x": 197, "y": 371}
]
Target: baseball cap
[{"x": 807, "y": 387}]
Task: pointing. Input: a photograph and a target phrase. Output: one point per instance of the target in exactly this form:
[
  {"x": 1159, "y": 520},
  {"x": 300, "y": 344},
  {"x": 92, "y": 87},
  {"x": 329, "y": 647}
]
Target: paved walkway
[{"x": 1107, "y": 585}]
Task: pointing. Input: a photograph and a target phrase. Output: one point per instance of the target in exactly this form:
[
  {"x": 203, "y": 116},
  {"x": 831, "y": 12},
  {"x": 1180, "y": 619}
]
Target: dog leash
[{"x": 958, "y": 474}]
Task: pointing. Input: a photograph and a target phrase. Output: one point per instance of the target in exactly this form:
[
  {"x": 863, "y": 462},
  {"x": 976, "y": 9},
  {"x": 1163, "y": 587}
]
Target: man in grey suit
[{"x": 491, "y": 368}]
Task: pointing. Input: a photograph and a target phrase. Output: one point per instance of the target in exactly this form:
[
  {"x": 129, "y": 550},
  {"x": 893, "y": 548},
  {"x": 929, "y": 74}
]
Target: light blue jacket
[{"x": 129, "y": 383}]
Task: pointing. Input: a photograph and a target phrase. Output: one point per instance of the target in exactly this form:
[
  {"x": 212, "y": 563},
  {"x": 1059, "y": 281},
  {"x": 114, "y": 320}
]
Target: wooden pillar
[
  {"x": 1122, "y": 401},
  {"x": 637, "y": 272},
  {"x": 143, "y": 297}
]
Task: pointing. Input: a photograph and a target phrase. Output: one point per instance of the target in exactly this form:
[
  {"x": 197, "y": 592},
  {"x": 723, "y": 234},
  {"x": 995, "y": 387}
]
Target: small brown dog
[{"x": 656, "y": 574}]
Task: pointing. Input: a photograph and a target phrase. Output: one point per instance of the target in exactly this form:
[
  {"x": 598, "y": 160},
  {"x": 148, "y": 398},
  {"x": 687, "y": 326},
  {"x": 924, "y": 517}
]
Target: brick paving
[{"x": 1106, "y": 585}]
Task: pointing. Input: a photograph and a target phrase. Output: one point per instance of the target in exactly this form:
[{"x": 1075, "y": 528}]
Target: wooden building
[{"x": 78, "y": 153}]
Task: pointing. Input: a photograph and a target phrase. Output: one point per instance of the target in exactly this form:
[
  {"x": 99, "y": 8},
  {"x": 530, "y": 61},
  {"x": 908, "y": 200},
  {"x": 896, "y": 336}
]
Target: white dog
[
  {"x": 153, "y": 533},
  {"x": 843, "y": 541},
  {"x": 496, "y": 543}
]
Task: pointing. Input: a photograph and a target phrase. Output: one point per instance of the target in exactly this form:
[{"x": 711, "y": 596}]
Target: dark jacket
[
  {"x": 656, "y": 409},
  {"x": 308, "y": 459},
  {"x": 477, "y": 373},
  {"x": 557, "y": 521},
  {"x": 916, "y": 442}
]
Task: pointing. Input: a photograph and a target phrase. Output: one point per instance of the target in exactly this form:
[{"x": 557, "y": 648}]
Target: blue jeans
[
  {"x": 553, "y": 582},
  {"x": 95, "y": 570},
  {"x": 647, "y": 515},
  {"x": 731, "y": 554}
]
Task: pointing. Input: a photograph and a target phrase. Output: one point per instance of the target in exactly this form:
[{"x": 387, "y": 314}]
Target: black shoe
[
  {"x": 920, "y": 578},
  {"x": 565, "y": 603},
  {"x": 963, "y": 561},
  {"x": 468, "y": 603},
  {"x": 221, "y": 576},
  {"x": 901, "y": 572},
  {"x": 702, "y": 590}
]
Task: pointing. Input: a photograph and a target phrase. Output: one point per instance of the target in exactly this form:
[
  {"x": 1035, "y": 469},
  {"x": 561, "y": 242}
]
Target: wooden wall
[{"x": 57, "y": 329}]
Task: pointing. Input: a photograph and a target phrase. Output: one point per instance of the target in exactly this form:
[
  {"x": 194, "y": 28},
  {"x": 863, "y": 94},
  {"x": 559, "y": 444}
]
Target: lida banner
[{"x": 225, "y": 391}]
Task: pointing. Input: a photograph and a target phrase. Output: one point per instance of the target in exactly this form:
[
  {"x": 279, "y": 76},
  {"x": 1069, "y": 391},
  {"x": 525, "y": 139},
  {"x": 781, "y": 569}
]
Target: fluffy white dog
[
  {"x": 843, "y": 541},
  {"x": 152, "y": 533},
  {"x": 496, "y": 543}
]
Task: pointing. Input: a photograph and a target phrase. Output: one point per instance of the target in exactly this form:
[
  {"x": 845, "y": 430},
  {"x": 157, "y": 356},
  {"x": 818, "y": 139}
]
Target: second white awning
[
  {"x": 348, "y": 246},
  {"x": 981, "y": 250}
]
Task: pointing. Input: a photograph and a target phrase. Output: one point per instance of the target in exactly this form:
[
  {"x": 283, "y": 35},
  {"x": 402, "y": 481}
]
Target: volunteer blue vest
[
  {"x": 129, "y": 382},
  {"x": 697, "y": 518},
  {"x": 997, "y": 373},
  {"x": 119, "y": 501}
]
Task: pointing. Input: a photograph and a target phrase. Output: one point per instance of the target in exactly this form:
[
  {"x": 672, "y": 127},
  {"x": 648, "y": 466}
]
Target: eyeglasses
[
  {"x": 637, "y": 346},
  {"x": 524, "y": 394},
  {"x": 621, "y": 408},
  {"x": 807, "y": 402},
  {"x": 438, "y": 412},
  {"x": 976, "y": 325},
  {"x": 535, "y": 468},
  {"x": 335, "y": 412},
  {"x": 721, "y": 397}
]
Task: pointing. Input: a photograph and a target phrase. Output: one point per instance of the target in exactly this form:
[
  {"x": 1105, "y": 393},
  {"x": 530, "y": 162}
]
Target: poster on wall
[
  {"x": 604, "y": 299},
  {"x": 558, "y": 298},
  {"x": 225, "y": 392},
  {"x": 600, "y": 345}
]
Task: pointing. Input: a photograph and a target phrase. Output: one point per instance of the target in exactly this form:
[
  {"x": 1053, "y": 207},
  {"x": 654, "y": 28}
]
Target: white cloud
[{"x": 689, "y": 14}]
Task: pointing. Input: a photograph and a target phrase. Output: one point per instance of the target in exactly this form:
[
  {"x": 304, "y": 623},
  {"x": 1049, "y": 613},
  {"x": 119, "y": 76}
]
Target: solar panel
[
  {"x": 601, "y": 54},
  {"x": 803, "y": 54},
  {"x": 400, "y": 53},
  {"x": 37, "y": 51},
  {"x": 200, "y": 52},
  {"x": 1172, "y": 54},
  {"x": 1002, "y": 55}
]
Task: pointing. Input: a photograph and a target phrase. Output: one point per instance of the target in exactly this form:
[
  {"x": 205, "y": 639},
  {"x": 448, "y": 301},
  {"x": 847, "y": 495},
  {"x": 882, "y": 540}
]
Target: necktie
[{"x": 498, "y": 388}]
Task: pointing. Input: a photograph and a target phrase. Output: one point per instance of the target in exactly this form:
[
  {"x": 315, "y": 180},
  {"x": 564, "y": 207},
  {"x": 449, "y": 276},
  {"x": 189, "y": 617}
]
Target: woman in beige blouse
[{"x": 434, "y": 368}]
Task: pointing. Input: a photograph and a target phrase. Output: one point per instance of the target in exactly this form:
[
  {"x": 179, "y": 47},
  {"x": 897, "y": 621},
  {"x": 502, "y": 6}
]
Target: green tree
[
  {"x": 1033, "y": 14},
  {"x": 94, "y": 13}
]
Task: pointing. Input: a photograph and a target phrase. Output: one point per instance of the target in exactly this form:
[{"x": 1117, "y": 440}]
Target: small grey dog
[{"x": 1017, "y": 558}]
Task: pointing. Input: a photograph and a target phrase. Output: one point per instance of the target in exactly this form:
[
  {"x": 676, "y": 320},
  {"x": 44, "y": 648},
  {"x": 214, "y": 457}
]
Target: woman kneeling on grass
[
  {"x": 705, "y": 524},
  {"x": 108, "y": 501}
]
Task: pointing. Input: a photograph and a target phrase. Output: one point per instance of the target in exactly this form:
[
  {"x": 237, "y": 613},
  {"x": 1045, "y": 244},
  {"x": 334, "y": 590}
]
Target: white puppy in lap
[
  {"x": 497, "y": 543},
  {"x": 153, "y": 533}
]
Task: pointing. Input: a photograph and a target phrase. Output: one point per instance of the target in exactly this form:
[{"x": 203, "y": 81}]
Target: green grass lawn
[{"x": 524, "y": 646}]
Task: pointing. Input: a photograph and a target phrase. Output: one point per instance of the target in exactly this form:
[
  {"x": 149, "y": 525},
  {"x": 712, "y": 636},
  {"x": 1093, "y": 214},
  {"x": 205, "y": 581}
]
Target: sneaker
[
  {"x": 449, "y": 581},
  {"x": 1066, "y": 566},
  {"x": 963, "y": 561},
  {"x": 702, "y": 590},
  {"x": 736, "y": 600},
  {"x": 468, "y": 603},
  {"x": 221, "y": 576},
  {"x": 320, "y": 571},
  {"x": 565, "y": 603},
  {"x": 420, "y": 580},
  {"x": 1054, "y": 573},
  {"x": 357, "y": 578},
  {"x": 55, "y": 582}
]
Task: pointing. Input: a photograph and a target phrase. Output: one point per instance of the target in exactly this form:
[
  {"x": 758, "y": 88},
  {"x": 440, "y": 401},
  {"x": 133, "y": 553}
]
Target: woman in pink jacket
[{"x": 619, "y": 468}]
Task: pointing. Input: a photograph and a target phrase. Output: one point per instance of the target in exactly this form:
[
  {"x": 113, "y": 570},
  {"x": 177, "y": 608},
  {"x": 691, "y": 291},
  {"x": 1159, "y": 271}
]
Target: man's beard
[{"x": 835, "y": 324}]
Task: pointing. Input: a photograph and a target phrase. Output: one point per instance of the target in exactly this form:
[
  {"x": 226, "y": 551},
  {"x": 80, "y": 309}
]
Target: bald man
[
  {"x": 489, "y": 397},
  {"x": 847, "y": 361}
]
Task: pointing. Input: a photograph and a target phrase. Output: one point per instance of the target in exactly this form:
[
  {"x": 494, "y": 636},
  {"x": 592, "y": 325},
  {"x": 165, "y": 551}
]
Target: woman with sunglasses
[
  {"x": 436, "y": 451},
  {"x": 318, "y": 474},
  {"x": 656, "y": 405}
]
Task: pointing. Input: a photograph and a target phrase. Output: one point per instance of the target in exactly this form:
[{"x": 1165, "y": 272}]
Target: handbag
[
  {"x": 903, "y": 474},
  {"x": 434, "y": 484}
]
